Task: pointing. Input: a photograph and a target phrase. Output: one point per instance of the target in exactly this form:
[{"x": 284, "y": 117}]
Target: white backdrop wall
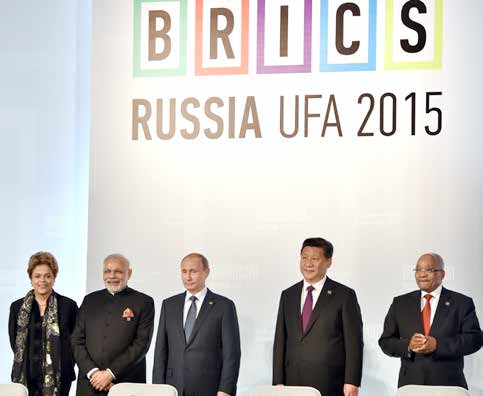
[
  {"x": 44, "y": 104},
  {"x": 248, "y": 203}
]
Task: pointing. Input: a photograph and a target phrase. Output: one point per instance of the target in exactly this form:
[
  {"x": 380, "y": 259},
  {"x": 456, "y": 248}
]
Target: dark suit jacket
[
  {"x": 104, "y": 339},
  {"x": 67, "y": 312},
  {"x": 455, "y": 327},
  {"x": 210, "y": 362},
  {"x": 329, "y": 353}
]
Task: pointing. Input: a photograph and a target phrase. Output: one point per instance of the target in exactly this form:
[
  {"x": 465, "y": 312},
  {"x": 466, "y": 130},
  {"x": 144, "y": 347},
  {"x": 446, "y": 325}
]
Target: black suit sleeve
[
  {"x": 161, "y": 350},
  {"x": 467, "y": 341},
  {"x": 78, "y": 343},
  {"x": 230, "y": 334},
  {"x": 12, "y": 325},
  {"x": 279, "y": 347},
  {"x": 353, "y": 339},
  {"x": 391, "y": 342},
  {"x": 140, "y": 344},
  {"x": 73, "y": 311},
  {"x": 67, "y": 312}
]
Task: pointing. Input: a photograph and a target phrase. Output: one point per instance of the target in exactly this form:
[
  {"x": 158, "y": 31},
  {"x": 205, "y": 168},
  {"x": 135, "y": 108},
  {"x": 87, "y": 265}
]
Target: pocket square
[{"x": 128, "y": 314}]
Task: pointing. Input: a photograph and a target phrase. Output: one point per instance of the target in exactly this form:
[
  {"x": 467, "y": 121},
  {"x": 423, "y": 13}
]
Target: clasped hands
[
  {"x": 101, "y": 380},
  {"x": 420, "y": 343}
]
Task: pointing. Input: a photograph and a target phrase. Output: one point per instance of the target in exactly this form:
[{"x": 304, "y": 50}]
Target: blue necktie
[{"x": 190, "y": 319}]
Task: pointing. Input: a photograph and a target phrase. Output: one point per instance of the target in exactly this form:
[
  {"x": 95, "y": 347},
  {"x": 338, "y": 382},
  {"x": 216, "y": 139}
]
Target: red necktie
[
  {"x": 307, "y": 309},
  {"x": 427, "y": 314}
]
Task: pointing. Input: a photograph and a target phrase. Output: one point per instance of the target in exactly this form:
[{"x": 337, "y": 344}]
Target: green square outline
[
  {"x": 438, "y": 41},
  {"x": 137, "y": 71}
]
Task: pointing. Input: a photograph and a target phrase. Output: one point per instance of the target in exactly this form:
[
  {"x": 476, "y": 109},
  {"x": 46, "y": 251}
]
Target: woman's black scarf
[{"x": 50, "y": 345}]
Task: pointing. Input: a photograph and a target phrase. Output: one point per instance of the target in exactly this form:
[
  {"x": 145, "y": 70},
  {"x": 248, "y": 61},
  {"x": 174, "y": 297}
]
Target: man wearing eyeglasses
[{"x": 431, "y": 329}]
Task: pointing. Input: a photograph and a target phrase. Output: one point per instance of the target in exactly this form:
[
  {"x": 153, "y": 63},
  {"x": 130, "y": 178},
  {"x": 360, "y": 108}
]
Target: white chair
[
  {"x": 13, "y": 390},
  {"x": 267, "y": 390},
  {"x": 130, "y": 389},
  {"x": 426, "y": 390}
]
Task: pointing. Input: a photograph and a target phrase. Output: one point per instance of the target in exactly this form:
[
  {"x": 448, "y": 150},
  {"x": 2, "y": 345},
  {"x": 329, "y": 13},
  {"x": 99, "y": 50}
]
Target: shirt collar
[
  {"x": 317, "y": 286},
  {"x": 435, "y": 293},
  {"x": 118, "y": 292},
  {"x": 200, "y": 295}
]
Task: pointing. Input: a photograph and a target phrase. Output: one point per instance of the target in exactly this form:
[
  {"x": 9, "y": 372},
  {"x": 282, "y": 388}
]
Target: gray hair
[{"x": 117, "y": 257}]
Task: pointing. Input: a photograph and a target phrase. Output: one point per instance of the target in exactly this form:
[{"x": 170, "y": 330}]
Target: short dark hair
[{"x": 322, "y": 243}]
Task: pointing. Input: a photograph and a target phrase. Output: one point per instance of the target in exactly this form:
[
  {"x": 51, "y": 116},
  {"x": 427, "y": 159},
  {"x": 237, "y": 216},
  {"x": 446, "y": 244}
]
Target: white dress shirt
[
  {"x": 187, "y": 302},
  {"x": 315, "y": 293},
  {"x": 436, "y": 293}
]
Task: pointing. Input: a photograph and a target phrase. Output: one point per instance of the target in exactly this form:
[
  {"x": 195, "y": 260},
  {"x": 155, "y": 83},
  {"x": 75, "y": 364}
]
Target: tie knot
[
  {"x": 310, "y": 289},
  {"x": 428, "y": 297},
  {"x": 193, "y": 298}
]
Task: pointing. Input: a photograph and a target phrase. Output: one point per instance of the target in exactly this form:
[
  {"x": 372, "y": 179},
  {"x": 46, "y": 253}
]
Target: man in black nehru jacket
[{"x": 113, "y": 332}]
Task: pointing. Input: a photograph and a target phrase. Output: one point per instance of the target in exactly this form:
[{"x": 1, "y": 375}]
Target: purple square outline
[{"x": 306, "y": 66}]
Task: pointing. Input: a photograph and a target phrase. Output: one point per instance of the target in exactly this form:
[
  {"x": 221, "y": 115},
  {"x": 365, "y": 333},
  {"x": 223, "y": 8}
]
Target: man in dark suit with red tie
[
  {"x": 431, "y": 329},
  {"x": 318, "y": 336}
]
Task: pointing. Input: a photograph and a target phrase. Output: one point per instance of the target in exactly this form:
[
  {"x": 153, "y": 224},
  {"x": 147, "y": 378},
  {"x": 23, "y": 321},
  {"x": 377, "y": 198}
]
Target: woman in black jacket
[{"x": 40, "y": 325}]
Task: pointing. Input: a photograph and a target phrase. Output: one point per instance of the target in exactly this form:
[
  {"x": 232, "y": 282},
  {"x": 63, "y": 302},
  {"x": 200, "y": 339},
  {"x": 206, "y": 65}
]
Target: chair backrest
[
  {"x": 426, "y": 390},
  {"x": 267, "y": 390},
  {"x": 13, "y": 390},
  {"x": 130, "y": 389}
]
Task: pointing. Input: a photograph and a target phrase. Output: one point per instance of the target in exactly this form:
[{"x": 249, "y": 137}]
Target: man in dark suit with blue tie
[
  {"x": 318, "y": 336},
  {"x": 198, "y": 342},
  {"x": 431, "y": 329}
]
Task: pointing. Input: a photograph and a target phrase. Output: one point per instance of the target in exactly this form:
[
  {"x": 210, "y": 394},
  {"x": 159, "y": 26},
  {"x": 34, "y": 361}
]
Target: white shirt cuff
[
  {"x": 110, "y": 372},
  {"x": 92, "y": 372}
]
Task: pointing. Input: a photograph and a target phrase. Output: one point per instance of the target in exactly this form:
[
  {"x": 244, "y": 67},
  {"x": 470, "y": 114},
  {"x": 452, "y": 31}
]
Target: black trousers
[{"x": 35, "y": 389}]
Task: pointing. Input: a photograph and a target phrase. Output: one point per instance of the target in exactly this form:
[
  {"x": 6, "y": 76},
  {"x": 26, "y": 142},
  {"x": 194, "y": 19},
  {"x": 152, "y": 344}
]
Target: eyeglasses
[{"x": 426, "y": 271}]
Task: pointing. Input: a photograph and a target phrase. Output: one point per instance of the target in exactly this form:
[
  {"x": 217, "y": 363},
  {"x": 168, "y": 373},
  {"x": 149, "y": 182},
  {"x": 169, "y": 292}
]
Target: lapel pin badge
[
  {"x": 447, "y": 303},
  {"x": 211, "y": 302},
  {"x": 329, "y": 292}
]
